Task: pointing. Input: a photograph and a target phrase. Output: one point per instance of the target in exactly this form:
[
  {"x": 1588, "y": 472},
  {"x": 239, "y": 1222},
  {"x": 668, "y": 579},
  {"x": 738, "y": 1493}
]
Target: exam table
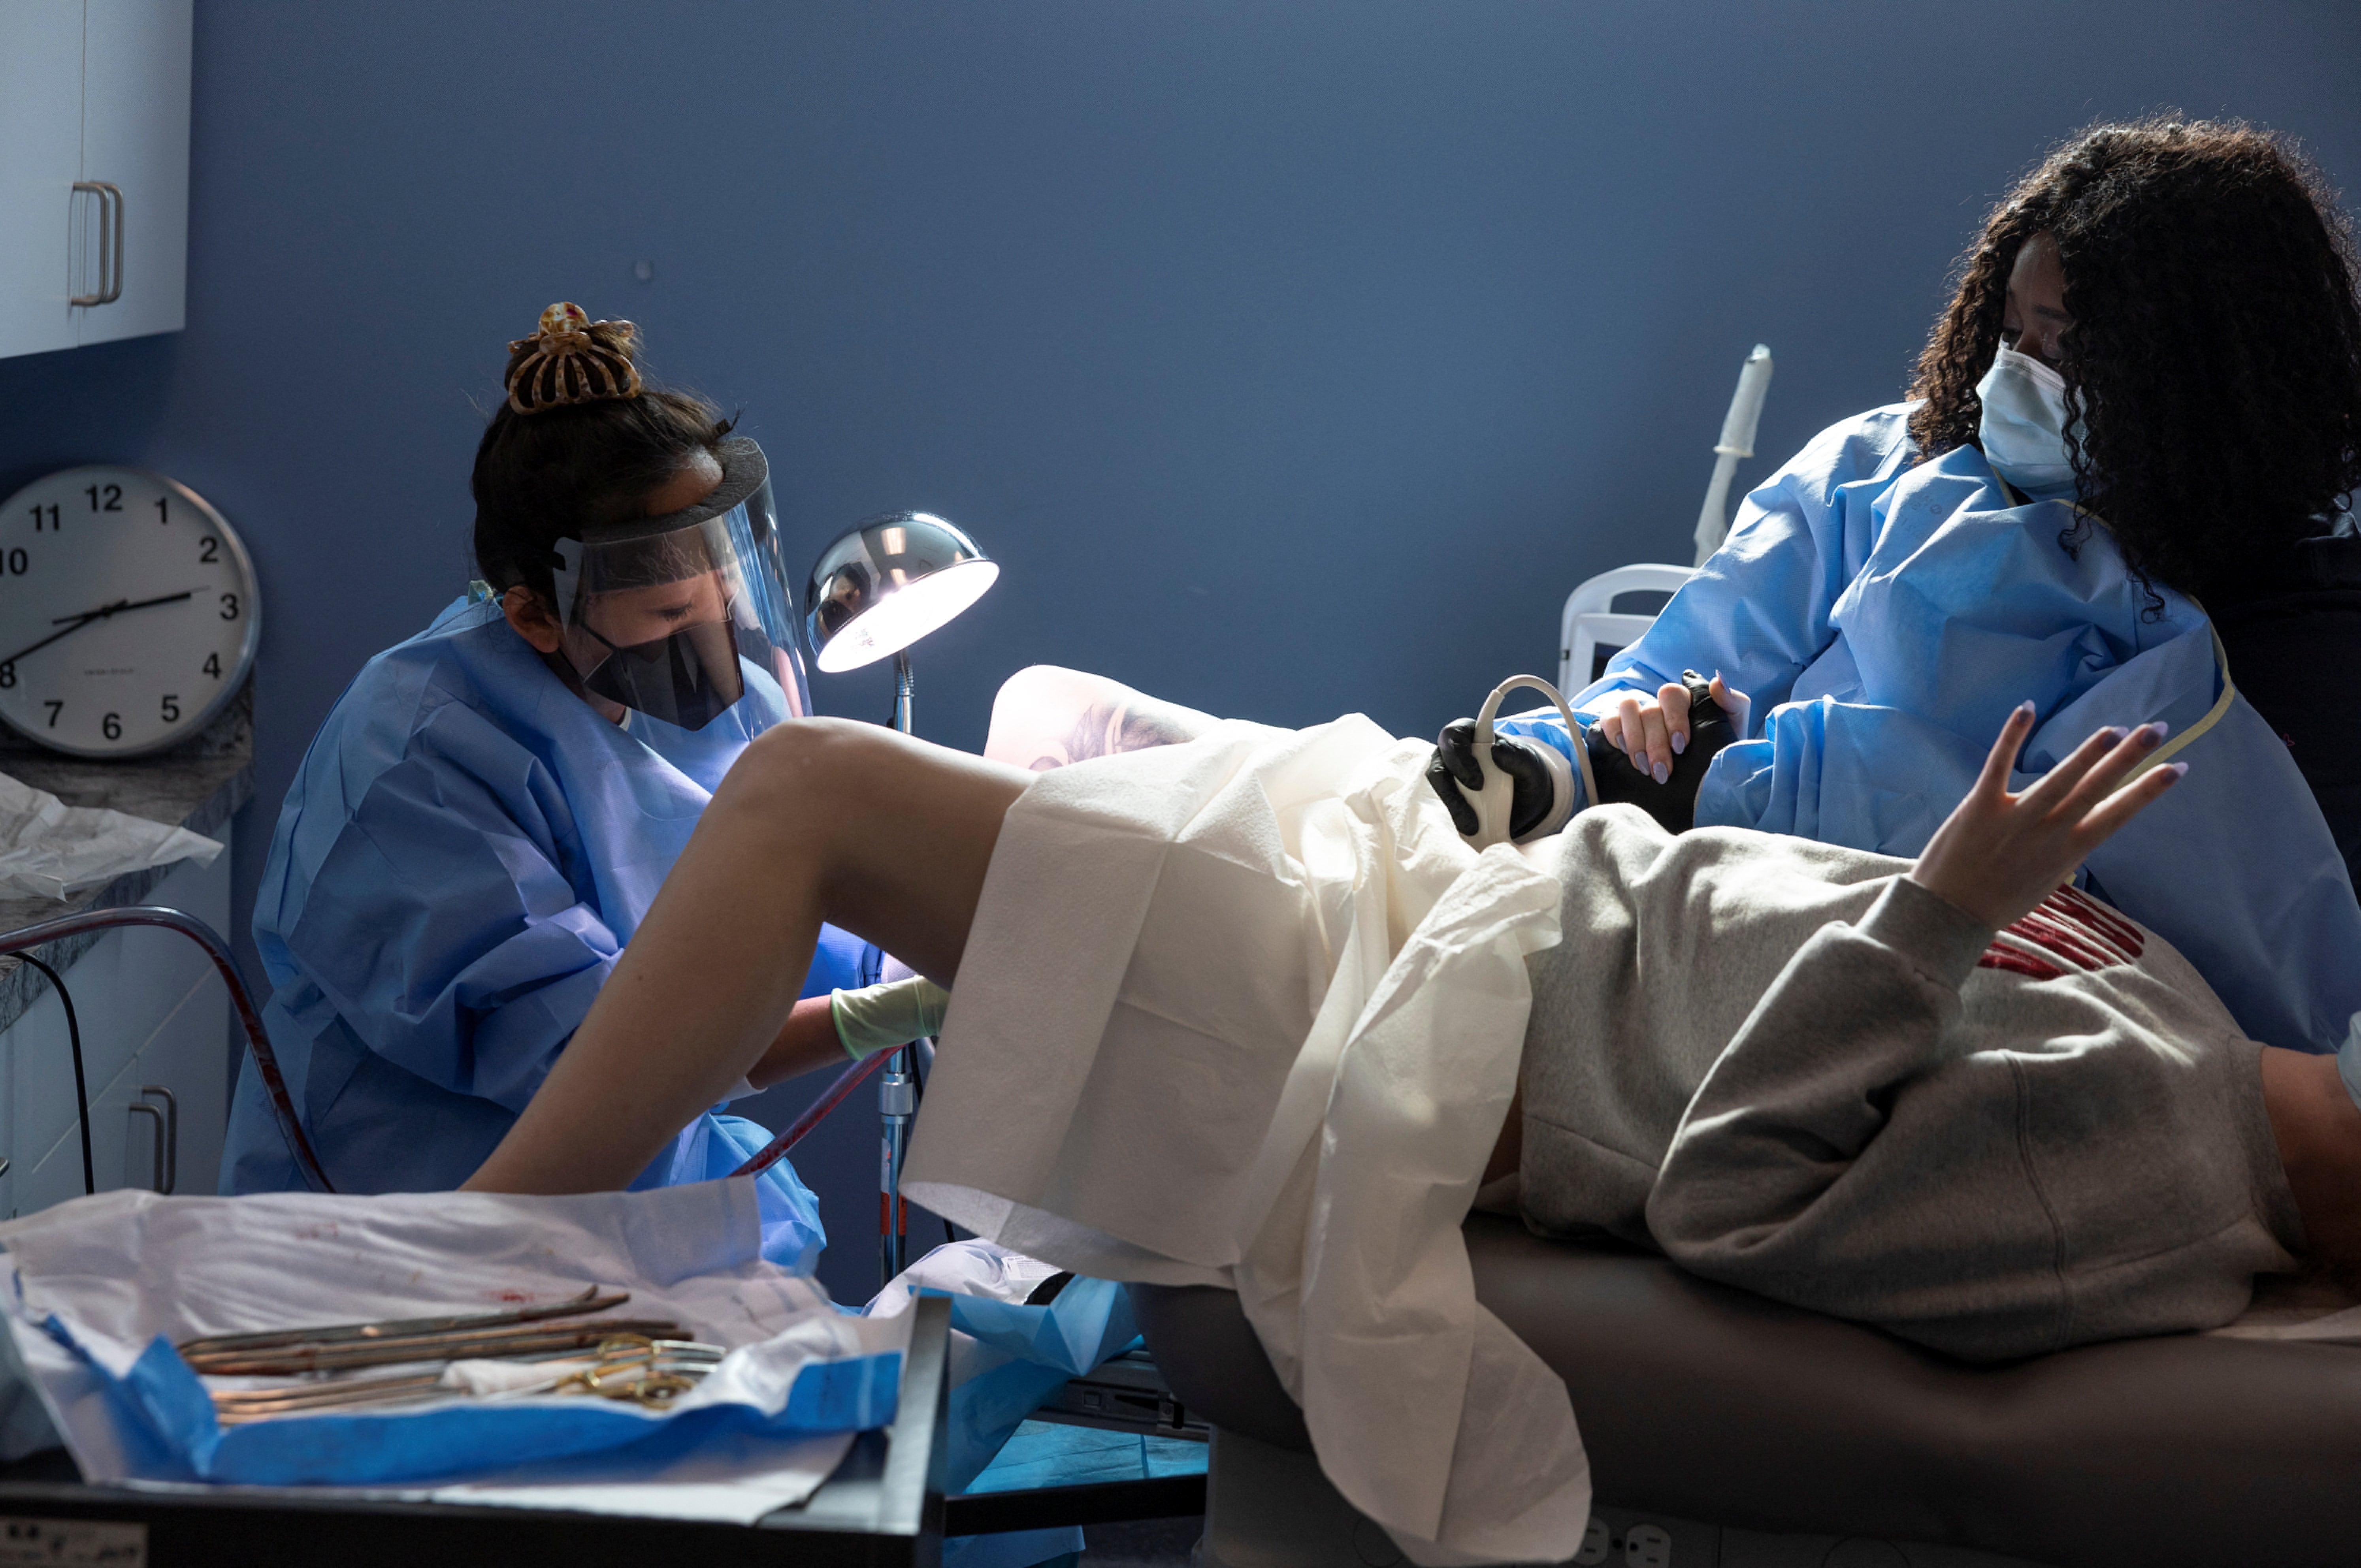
[{"x": 1724, "y": 1428}]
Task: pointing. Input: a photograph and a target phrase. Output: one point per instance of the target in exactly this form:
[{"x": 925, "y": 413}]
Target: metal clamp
[
  {"x": 168, "y": 1133},
  {"x": 110, "y": 243}
]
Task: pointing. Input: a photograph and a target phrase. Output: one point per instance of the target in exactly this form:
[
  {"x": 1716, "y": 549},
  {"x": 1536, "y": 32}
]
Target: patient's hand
[
  {"x": 1653, "y": 731},
  {"x": 1998, "y": 855}
]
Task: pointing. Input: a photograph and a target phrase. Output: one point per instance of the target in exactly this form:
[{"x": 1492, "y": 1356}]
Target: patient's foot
[{"x": 1674, "y": 802}]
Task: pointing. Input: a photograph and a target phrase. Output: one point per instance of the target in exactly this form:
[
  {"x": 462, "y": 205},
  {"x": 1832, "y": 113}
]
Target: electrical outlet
[
  {"x": 1595, "y": 1542},
  {"x": 1647, "y": 1546}
]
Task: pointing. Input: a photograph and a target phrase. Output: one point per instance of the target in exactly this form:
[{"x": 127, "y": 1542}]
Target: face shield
[{"x": 679, "y": 616}]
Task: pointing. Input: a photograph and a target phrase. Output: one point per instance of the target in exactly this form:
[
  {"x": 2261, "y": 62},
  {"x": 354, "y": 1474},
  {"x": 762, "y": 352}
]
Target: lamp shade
[{"x": 888, "y": 582}]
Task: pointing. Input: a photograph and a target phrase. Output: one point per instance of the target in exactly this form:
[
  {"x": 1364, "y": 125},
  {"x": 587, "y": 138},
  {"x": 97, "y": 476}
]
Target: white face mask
[{"x": 2024, "y": 427}]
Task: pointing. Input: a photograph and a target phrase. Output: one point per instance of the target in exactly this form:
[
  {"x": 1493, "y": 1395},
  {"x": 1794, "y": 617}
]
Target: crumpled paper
[{"x": 55, "y": 851}]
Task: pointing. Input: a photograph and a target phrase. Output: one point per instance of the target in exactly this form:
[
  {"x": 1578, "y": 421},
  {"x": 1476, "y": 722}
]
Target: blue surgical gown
[
  {"x": 1884, "y": 617},
  {"x": 462, "y": 856}
]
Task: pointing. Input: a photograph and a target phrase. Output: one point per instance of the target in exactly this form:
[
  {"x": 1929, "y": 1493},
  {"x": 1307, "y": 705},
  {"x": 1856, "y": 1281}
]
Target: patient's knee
[
  {"x": 802, "y": 767},
  {"x": 1041, "y": 682},
  {"x": 1033, "y": 711}
]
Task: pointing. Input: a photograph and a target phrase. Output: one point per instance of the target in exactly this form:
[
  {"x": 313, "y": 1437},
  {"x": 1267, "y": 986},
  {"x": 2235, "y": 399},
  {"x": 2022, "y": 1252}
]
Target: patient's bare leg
[
  {"x": 1045, "y": 716},
  {"x": 887, "y": 836}
]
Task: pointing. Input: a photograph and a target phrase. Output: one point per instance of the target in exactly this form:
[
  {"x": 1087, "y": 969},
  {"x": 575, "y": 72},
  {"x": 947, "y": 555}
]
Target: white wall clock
[{"x": 127, "y": 611}]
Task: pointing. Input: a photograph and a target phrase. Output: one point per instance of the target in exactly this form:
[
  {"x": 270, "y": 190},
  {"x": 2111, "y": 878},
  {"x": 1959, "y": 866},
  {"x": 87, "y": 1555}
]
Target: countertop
[{"x": 198, "y": 785}]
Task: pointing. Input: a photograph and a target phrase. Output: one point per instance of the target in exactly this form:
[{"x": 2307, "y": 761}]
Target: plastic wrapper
[
  {"x": 52, "y": 849},
  {"x": 100, "y": 1289},
  {"x": 1006, "y": 1357}
]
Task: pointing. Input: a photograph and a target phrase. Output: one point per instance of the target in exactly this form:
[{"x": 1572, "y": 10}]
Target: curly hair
[
  {"x": 2213, "y": 367},
  {"x": 542, "y": 476}
]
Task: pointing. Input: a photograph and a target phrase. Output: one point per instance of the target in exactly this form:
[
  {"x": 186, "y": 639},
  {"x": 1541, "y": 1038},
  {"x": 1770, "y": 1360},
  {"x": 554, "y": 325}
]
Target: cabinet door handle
[
  {"x": 110, "y": 243},
  {"x": 138, "y": 1109},
  {"x": 168, "y": 1135}
]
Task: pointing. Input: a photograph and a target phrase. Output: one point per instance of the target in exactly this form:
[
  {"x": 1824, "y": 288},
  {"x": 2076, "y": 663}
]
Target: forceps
[
  {"x": 524, "y": 1330},
  {"x": 647, "y": 1371}
]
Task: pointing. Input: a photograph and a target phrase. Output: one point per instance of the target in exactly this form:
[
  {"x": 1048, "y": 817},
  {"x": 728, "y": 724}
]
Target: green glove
[{"x": 880, "y": 1017}]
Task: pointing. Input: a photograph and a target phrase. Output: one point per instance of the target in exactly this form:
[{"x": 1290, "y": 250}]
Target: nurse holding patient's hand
[
  {"x": 490, "y": 808},
  {"x": 2144, "y": 394}
]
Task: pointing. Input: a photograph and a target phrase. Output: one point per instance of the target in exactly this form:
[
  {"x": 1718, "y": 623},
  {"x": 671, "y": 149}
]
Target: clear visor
[{"x": 684, "y": 623}]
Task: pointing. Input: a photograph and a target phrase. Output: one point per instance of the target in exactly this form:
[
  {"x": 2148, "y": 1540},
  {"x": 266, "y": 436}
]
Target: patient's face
[
  {"x": 627, "y": 616},
  {"x": 2035, "y": 317}
]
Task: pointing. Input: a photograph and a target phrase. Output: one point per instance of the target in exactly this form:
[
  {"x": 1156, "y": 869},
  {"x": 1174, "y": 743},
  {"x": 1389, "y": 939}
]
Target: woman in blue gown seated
[
  {"x": 489, "y": 809},
  {"x": 2144, "y": 397}
]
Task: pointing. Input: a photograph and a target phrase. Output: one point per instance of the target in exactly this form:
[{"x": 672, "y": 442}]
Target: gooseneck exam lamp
[{"x": 883, "y": 586}]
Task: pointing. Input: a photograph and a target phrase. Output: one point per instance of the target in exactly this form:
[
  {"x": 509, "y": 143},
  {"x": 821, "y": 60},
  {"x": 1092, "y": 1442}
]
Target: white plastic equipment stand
[{"x": 1589, "y": 622}]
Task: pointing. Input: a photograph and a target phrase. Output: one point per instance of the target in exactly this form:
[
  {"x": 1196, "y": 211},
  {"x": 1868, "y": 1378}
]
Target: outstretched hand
[{"x": 1998, "y": 855}]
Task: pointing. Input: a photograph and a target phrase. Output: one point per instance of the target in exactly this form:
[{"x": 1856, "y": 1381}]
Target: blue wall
[{"x": 1294, "y": 357}]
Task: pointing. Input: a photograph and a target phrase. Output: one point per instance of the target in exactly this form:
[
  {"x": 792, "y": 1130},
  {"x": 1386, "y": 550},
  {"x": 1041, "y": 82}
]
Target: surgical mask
[
  {"x": 685, "y": 678},
  {"x": 717, "y": 562},
  {"x": 2023, "y": 431}
]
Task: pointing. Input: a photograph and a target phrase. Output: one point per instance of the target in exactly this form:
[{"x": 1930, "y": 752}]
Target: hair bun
[{"x": 571, "y": 359}]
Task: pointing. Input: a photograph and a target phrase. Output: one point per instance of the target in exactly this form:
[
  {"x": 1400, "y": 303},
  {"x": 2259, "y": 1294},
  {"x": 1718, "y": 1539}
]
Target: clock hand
[
  {"x": 101, "y": 613},
  {"x": 105, "y": 610}
]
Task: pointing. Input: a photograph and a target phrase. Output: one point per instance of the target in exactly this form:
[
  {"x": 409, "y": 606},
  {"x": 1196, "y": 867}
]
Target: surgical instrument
[
  {"x": 647, "y": 1371},
  {"x": 590, "y": 1300},
  {"x": 521, "y": 1339}
]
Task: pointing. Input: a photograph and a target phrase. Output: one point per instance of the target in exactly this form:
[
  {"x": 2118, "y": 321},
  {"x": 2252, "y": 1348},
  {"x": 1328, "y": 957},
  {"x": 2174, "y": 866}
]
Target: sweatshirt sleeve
[{"x": 1808, "y": 1085}]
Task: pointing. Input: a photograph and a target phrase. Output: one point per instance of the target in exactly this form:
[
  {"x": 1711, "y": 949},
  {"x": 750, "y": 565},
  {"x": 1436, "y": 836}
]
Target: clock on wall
[{"x": 127, "y": 611}]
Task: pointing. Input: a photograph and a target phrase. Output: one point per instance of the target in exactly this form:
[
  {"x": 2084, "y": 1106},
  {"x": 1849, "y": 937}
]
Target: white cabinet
[
  {"x": 189, "y": 1058},
  {"x": 135, "y": 138},
  {"x": 154, "y": 1015},
  {"x": 93, "y": 171},
  {"x": 40, "y": 158}
]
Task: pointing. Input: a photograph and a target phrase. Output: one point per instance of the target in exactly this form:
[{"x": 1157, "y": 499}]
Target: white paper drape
[{"x": 1248, "y": 1012}]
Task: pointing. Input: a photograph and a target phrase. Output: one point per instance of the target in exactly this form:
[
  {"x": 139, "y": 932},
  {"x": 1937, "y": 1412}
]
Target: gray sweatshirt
[{"x": 1794, "y": 1070}]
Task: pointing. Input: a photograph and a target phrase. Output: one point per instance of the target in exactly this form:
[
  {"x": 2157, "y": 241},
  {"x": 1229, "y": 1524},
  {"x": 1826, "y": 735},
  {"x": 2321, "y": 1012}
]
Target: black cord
[{"x": 82, "y": 1090}]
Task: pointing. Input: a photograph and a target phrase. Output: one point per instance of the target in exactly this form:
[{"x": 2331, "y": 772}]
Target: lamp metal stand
[{"x": 897, "y": 1094}]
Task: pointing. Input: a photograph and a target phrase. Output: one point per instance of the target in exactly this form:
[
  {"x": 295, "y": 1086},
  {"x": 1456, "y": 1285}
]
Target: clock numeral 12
[{"x": 114, "y": 497}]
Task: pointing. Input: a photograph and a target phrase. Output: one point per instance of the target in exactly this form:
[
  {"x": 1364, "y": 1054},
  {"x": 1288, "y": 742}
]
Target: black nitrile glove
[
  {"x": 1673, "y": 803},
  {"x": 1541, "y": 793}
]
